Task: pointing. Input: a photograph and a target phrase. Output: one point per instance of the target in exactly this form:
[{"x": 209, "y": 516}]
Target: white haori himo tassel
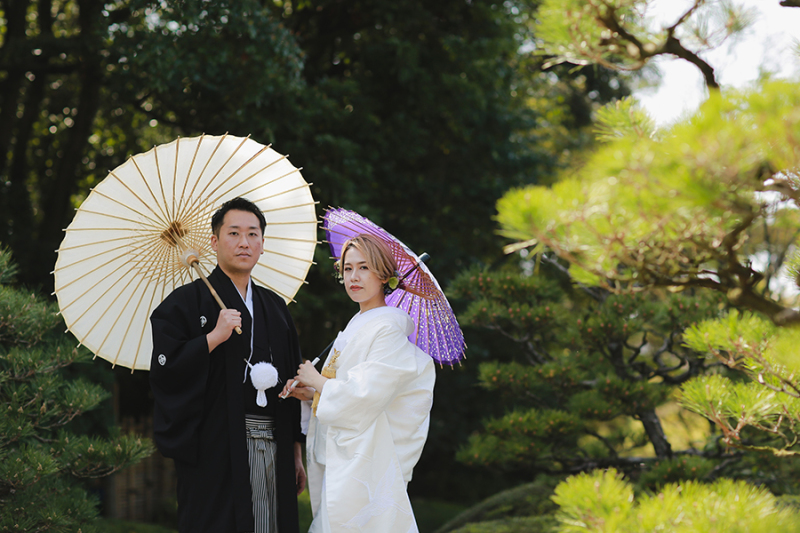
[{"x": 264, "y": 376}]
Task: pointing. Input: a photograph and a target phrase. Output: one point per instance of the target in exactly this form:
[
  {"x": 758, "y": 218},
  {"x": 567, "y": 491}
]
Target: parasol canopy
[
  {"x": 437, "y": 332},
  {"x": 133, "y": 238}
]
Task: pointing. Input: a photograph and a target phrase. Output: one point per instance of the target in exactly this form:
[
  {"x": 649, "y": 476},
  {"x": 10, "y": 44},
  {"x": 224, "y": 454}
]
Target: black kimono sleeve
[
  {"x": 294, "y": 351},
  {"x": 178, "y": 374}
]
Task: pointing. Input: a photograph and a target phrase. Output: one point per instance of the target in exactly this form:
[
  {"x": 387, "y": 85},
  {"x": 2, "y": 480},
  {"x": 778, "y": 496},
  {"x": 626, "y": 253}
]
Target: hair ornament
[
  {"x": 392, "y": 284},
  {"x": 338, "y": 273}
]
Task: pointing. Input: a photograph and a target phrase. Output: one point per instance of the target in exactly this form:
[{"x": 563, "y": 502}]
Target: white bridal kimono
[{"x": 370, "y": 426}]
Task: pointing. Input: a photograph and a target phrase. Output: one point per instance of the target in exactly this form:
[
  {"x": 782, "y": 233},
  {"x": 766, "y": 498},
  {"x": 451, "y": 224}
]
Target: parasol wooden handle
[{"x": 194, "y": 262}]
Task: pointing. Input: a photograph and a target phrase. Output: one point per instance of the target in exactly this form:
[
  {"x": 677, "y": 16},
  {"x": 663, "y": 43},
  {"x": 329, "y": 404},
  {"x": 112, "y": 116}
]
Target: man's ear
[{"x": 214, "y": 242}]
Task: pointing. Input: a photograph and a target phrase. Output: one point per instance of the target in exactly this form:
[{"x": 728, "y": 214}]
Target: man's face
[{"x": 239, "y": 243}]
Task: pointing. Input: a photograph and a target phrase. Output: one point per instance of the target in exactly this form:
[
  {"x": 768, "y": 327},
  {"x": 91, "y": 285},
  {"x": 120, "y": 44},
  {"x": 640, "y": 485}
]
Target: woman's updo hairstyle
[{"x": 375, "y": 251}]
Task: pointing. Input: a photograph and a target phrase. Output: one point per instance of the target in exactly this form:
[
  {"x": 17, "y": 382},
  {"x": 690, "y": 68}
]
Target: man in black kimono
[{"x": 233, "y": 456}]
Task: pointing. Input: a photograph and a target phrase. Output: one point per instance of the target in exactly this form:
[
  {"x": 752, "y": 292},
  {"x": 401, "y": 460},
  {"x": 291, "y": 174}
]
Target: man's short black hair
[{"x": 237, "y": 204}]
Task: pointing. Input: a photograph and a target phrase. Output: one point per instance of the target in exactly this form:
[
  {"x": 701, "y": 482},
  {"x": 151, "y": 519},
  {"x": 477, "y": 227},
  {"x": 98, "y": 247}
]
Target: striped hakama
[{"x": 261, "y": 450}]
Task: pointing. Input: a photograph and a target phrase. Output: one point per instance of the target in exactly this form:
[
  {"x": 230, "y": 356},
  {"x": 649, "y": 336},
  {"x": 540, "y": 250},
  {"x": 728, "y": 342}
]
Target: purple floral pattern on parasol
[{"x": 437, "y": 332}]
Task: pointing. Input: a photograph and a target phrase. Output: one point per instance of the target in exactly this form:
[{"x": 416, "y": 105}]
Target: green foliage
[
  {"x": 736, "y": 406},
  {"x": 508, "y": 302},
  {"x": 688, "y": 225},
  {"x": 8, "y": 269},
  {"x": 793, "y": 267},
  {"x": 770, "y": 403},
  {"x": 739, "y": 334},
  {"x": 41, "y": 458},
  {"x": 602, "y": 501},
  {"x": 520, "y": 437},
  {"x": 416, "y": 114},
  {"x": 623, "y": 118},
  {"x": 790, "y": 501},
  {"x": 186, "y": 57},
  {"x": 645, "y": 212},
  {"x": 24, "y": 319},
  {"x": 584, "y": 367},
  {"x": 51, "y": 504},
  {"x": 689, "y": 207},
  {"x": 676, "y": 210},
  {"x": 527, "y": 505},
  {"x": 747, "y": 342},
  {"x": 437, "y": 100},
  {"x": 618, "y": 34},
  {"x": 675, "y": 470},
  {"x": 570, "y": 31},
  {"x": 587, "y": 501}
]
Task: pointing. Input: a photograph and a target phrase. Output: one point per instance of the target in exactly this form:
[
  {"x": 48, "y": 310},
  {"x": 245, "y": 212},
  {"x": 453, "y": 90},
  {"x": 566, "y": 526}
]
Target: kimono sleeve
[
  {"x": 355, "y": 401},
  {"x": 178, "y": 376},
  {"x": 298, "y": 435}
]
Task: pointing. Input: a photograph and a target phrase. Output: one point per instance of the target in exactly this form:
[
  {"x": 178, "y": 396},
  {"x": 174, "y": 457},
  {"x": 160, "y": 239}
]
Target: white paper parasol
[{"x": 127, "y": 247}]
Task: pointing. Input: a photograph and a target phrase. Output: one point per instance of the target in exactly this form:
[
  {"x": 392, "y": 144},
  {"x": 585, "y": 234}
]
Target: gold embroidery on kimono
[{"x": 329, "y": 372}]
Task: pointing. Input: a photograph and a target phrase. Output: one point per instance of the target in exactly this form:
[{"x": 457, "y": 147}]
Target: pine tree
[
  {"x": 692, "y": 210},
  {"x": 708, "y": 208},
  {"x": 658, "y": 233},
  {"x": 586, "y": 372},
  {"x": 43, "y": 459},
  {"x": 604, "y": 501}
]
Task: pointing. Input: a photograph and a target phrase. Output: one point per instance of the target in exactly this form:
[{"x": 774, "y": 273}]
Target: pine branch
[
  {"x": 673, "y": 46},
  {"x": 652, "y": 426},
  {"x": 688, "y": 13},
  {"x": 631, "y": 463},
  {"x": 594, "y": 292},
  {"x": 605, "y": 442}
]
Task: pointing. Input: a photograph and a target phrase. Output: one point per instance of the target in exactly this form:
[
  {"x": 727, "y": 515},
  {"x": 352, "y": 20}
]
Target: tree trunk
[
  {"x": 652, "y": 426},
  {"x": 57, "y": 202},
  {"x": 19, "y": 209},
  {"x": 10, "y": 89}
]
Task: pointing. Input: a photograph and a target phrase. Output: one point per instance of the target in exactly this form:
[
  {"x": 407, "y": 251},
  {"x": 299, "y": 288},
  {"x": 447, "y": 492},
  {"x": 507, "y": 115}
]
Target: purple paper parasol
[{"x": 437, "y": 332}]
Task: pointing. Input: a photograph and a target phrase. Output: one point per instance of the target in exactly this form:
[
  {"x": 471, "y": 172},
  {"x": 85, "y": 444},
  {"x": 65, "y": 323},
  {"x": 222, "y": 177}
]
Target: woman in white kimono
[{"x": 371, "y": 408}]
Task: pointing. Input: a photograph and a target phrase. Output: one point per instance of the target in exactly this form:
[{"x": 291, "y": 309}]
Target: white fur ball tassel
[{"x": 264, "y": 376}]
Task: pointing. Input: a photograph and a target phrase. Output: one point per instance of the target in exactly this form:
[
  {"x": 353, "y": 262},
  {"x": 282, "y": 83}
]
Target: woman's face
[{"x": 362, "y": 284}]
